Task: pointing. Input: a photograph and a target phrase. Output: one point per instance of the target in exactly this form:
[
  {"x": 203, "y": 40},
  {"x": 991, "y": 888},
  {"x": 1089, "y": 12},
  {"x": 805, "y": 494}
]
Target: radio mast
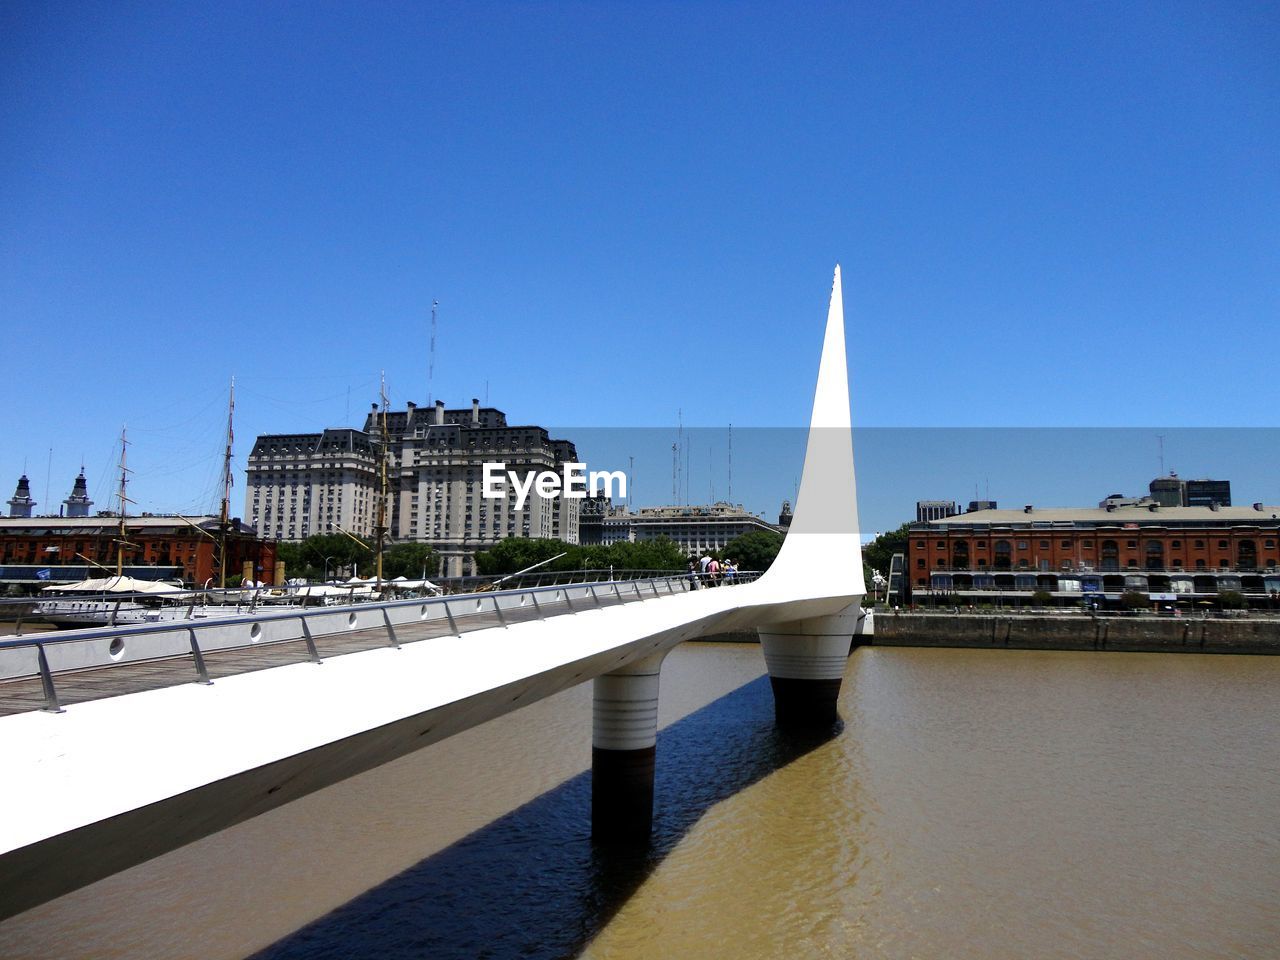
[
  {"x": 431, "y": 362},
  {"x": 730, "y": 495}
]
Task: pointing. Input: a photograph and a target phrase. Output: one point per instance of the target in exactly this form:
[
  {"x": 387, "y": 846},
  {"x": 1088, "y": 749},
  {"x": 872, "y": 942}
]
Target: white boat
[{"x": 106, "y": 601}]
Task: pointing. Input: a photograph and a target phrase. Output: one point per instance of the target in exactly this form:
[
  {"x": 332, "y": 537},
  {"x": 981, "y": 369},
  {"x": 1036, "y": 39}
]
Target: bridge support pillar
[
  {"x": 623, "y": 746},
  {"x": 806, "y": 660}
]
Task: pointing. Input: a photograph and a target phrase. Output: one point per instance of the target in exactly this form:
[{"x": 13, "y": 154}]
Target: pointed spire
[
  {"x": 20, "y": 504},
  {"x": 822, "y": 541},
  {"x": 78, "y": 503}
]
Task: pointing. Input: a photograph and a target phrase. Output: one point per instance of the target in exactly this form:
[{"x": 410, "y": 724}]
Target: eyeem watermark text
[{"x": 573, "y": 482}]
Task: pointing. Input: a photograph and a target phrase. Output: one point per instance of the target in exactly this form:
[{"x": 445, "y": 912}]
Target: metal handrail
[
  {"x": 72, "y": 636},
  {"x": 236, "y": 596},
  {"x": 52, "y": 704}
]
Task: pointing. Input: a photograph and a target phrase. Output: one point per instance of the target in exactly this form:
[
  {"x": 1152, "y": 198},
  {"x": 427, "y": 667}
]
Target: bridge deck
[{"x": 99, "y": 683}]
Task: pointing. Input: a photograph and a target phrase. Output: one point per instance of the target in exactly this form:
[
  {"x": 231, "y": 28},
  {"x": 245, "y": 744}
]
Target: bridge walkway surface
[{"x": 99, "y": 683}]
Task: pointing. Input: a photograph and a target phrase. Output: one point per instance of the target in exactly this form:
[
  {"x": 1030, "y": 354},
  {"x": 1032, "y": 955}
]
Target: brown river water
[{"x": 981, "y": 804}]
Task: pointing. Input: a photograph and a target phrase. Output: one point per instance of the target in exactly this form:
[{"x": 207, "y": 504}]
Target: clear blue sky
[{"x": 1048, "y": 215}]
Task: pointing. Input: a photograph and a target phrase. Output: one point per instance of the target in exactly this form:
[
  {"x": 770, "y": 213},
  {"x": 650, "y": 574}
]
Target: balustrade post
[
  {"x": 201, "y": 670},
  {"x": 46, "y": 682}
]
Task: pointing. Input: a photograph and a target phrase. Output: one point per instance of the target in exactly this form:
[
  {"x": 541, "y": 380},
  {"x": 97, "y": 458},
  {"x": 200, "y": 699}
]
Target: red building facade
[
  {"x": 36, "y": 550},
  {"x": 1104, "y": 549}
]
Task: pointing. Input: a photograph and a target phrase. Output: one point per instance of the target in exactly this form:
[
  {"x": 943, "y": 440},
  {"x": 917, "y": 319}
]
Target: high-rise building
[
  {"x": 1208, "y": 493},
  {"x": 784, "y": 516},
  {"x": 592, "y": 511},
  {"x": 935, "y": 509},
  {"x": 1172, "y": 491},
  {"x": 301, "y": 485}
]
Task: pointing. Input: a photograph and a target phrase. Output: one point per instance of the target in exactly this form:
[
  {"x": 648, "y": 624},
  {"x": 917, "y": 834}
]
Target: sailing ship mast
[
  {"x": 224, "y": 517},
  {"x": 381, "y": 529},
  {"x": 123, "y": 541}
]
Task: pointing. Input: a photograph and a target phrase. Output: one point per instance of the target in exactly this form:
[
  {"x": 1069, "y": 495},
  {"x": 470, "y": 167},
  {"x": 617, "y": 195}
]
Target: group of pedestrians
[{"x": 707, "y": 571}]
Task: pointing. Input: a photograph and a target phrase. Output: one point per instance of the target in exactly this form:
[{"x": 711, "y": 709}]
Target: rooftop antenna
[
  {"x": 1160, "y": 442},
  {"x": 431, "y": 362},
  {"x": 675, "y": 471},
  {"x": 730, "y": 494},
  {"x": 680, "y": 457},
  {"x": 688, "y": 470}
]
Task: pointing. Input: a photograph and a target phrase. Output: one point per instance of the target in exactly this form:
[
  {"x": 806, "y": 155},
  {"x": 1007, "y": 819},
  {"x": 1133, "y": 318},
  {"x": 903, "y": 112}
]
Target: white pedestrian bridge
[{"x": 106, "y": 783}]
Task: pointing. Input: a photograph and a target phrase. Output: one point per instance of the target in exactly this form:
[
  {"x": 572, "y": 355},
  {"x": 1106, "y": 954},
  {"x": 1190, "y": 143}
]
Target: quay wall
[{"x": 1048, "y": 632}]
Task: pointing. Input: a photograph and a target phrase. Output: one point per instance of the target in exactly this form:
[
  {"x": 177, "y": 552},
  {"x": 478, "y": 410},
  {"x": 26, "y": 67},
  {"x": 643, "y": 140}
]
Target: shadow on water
[{"x": 532, "y": 883}]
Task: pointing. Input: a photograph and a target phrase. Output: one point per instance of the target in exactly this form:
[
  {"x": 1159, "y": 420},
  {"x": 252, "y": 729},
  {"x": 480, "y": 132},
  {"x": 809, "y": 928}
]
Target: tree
[
  {"x": 412, "y": 560},
  {"x": 661, "y": 553},
  {"x": 332, "y": 551},
  {"x": 1042, "y": 598},
  {"x": 755, "y": 550},
  {"x": 517, "y": 553},
  {"x": 877, "y": 554}
]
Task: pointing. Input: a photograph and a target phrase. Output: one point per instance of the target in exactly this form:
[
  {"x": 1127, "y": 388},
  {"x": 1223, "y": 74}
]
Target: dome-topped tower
[
  {"x": 78, "y": 503},
  {"x": 20, "y": 503}
]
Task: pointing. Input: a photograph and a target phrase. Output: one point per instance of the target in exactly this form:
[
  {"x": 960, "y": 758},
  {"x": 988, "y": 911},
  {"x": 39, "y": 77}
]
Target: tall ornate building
[{"x": 304, "y": 484}]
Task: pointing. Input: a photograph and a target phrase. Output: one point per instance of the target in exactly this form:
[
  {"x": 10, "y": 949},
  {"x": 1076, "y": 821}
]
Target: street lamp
[{"x": 326, "y": 568}]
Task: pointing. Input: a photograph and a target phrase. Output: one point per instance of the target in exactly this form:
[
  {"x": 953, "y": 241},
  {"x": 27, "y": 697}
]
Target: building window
[
  {"x": 1131, "y": 543},
  {"x": 1199, "y": 544},
  {"x": 1175, "y": 544},
  {"x": 1022, "y": 544},
  {"x": 1044, "y": 544},
  {"x": 1222, "y": 544}
]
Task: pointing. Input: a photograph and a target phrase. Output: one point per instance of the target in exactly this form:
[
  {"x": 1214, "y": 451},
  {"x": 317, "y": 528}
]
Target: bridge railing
[
  {"x": 46, "y": 655},
  {"x": 117, "y": 607}
]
